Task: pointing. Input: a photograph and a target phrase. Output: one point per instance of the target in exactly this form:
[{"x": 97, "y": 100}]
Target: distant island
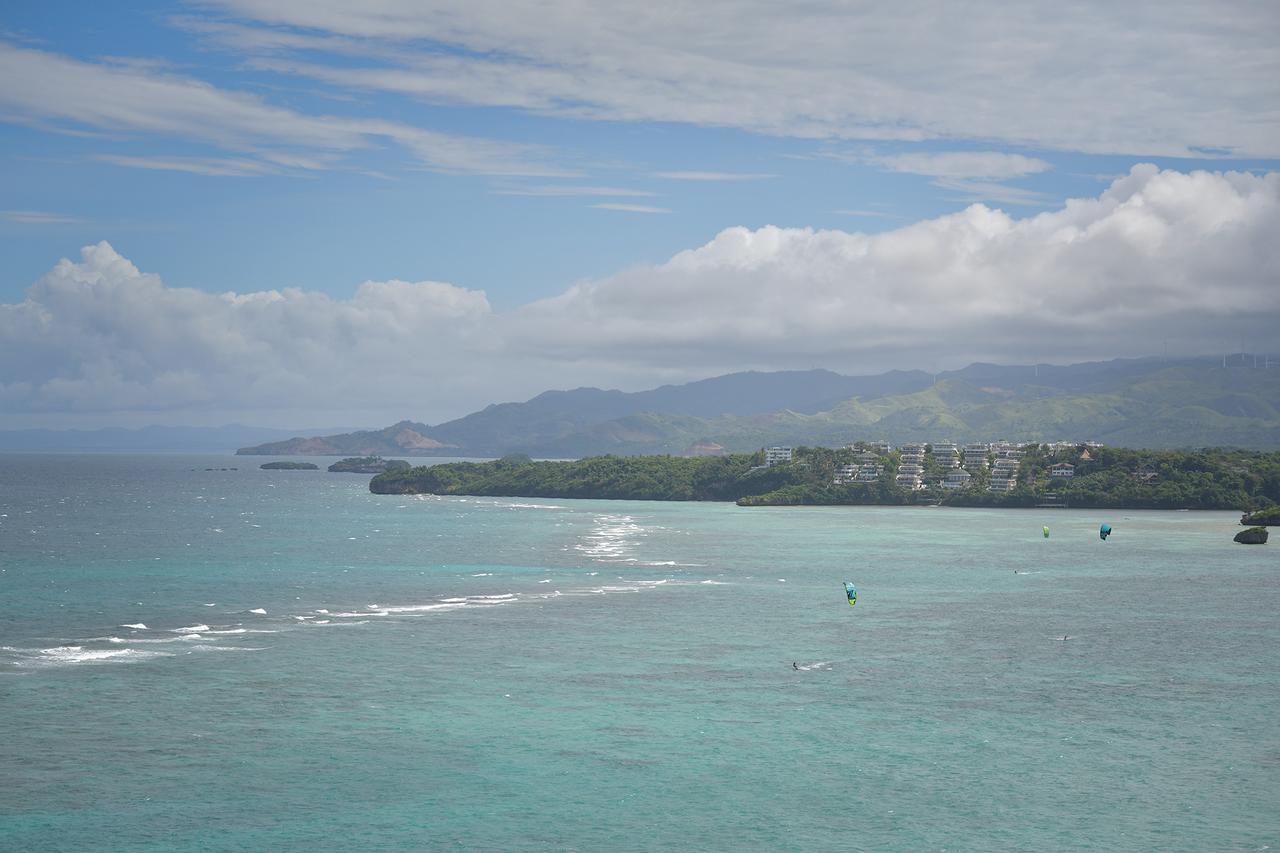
[
  {"x": 997, "y": 475},
  {"x": 289, "y": 466},
  {"x": 369, "y": 465},
  {"x": 1149, "y": 402}
]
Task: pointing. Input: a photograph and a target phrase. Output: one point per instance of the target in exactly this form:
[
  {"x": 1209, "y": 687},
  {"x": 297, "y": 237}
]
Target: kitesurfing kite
[
  {"x": 851, "y": 591},
  {"x": 1046, "y": 531},
  {"x": 1104, "y": 531}
]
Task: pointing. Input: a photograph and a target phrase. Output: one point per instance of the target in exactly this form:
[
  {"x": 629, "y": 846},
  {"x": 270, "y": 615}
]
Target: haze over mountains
[{"x": 1135, "y": 402}]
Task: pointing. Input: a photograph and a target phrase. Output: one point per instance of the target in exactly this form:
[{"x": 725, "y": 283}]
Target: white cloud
[
  {"x": 630, "y": 208},
  {"x": 55, "y": 91},
  {"x": 969, "y": 175},
  {"x": 557, "y": 190},
  {"x": 712, "y": 176},
  {"x": 37, "y": 217},
  {"x": 991, "y": 191},
  {"x": 98, "y": 335},
  {"x": 1199, "y": 82},
  {"x": 1188, "y": 258},
  {"x": 993, "y": 165},
  {"x": 213, "y": 166}
]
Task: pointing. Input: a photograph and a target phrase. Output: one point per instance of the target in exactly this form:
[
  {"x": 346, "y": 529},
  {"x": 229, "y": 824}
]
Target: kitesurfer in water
[{"x": 793, "y": 666}]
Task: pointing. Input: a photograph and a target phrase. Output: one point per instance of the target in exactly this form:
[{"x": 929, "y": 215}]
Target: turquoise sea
[{"x": 249, "y": 660}]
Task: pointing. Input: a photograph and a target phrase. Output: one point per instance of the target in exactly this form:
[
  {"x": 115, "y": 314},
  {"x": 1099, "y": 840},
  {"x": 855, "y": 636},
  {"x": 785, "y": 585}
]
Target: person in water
[{"x": 793, "y": 666}]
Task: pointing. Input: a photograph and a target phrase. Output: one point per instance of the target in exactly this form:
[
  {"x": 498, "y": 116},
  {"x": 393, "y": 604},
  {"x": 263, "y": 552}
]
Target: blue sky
[{"x": 588, "y": 170}]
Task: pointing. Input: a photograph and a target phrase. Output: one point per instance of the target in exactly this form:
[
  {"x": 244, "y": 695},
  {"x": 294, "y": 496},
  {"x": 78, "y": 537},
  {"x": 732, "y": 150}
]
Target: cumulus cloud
[
  {"x": 98, "y": 335},
  {"x": 1049, "y": 75},
  {"x": 1160, "y": 256},
  {"x": 1187, "y": 258}
]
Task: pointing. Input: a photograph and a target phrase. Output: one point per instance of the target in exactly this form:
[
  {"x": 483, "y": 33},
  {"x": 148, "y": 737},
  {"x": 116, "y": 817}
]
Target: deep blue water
[{"x": 506, "y": 674}]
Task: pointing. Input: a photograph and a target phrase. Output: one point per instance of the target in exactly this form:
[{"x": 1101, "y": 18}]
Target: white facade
[
  {"x": 1002, "y": 484},
  {"x": 975, "y": 456},
  {"x": 870, "y": 472},
  {"x": 775, "y": 455},
  {"x": 911, "y": 482}
]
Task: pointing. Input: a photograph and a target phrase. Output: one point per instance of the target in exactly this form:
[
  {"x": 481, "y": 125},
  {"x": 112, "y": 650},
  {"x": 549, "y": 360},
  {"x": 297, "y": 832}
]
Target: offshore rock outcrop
[{"x": 1252, "y": 536}]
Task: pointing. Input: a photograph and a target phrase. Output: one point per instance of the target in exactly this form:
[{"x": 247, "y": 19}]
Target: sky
[{"x": 296, "y": 213}]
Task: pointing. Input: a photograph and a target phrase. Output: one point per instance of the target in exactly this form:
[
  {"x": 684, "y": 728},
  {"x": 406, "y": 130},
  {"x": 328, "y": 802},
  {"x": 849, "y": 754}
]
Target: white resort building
[
  {"x": 776, "y": 455},
  {"x": 975, "y": 456}
]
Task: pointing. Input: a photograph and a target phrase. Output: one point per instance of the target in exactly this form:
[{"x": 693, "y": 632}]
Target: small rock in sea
[{"x": 1252, "y": 536}]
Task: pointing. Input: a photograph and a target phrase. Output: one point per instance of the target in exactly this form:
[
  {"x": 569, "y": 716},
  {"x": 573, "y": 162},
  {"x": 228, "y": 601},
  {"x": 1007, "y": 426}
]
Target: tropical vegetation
[{"x": 1102, "y": 477}]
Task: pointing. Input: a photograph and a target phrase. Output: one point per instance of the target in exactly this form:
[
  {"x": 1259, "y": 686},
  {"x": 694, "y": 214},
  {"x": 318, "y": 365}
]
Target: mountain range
[{"x": 1148, "y": 402}]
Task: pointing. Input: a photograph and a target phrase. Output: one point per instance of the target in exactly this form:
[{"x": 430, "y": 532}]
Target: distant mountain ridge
[{"x": 1130, "y": 402}]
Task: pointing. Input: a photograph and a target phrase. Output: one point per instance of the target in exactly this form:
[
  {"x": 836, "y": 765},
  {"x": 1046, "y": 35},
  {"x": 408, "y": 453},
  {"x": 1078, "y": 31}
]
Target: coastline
[{"x": 1106, "y": 479}]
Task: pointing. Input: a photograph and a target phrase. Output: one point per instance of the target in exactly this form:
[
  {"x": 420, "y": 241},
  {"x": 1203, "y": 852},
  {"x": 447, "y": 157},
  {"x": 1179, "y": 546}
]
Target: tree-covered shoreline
[{"x": 1103, "y": 477}]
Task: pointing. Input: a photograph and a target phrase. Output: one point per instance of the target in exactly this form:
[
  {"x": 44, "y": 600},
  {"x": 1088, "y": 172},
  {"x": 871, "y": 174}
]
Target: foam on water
[{"x": 72, "y": 655}]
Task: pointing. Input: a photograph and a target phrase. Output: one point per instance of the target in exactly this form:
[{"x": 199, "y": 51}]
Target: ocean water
[{"x": 252, "y": 660}]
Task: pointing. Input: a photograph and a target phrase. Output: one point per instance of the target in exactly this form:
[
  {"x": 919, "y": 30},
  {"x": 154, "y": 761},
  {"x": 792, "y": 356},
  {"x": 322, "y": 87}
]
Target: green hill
[{"x": 1144, "y": 403}]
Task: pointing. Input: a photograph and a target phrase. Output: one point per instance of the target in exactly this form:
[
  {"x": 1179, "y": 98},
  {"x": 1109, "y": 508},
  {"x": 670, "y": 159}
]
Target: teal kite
[
  {"x": 852, "y": 592},
  {"x": 1104, "y": 531}
]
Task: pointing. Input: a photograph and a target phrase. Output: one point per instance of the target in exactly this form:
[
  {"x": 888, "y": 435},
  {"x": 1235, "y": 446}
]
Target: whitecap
[
  {"x": 819, "y": 664},
  {"x": 137, "y": 626},
  {"x": 424, "y": 608},
  {"x": 259, "y": 611},
  {"x": 191, "y": 629},
  {"x": 78, "y": 654}
]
